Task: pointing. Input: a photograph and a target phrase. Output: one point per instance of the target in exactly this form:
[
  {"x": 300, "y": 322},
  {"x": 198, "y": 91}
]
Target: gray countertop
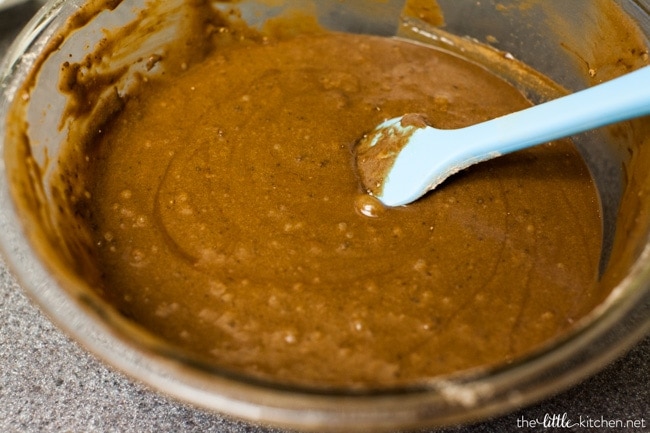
[{"x": 49, "y": 384}]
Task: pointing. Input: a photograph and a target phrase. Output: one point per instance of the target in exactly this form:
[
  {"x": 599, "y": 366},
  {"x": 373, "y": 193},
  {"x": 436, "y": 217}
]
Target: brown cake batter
[{"x": 229, "y": 220}]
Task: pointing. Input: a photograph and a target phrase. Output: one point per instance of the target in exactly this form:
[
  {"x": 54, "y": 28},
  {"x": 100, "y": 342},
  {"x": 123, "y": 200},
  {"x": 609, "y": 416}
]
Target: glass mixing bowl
[{"x": 577, "y": 44}]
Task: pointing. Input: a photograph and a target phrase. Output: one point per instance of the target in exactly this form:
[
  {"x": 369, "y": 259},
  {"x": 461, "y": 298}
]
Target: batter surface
[{"x": 229, "y": 220}]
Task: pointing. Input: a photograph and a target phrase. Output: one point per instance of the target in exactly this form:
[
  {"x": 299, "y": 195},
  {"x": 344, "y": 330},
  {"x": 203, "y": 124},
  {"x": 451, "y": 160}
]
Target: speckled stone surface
[{"x": 49, "y": 384}]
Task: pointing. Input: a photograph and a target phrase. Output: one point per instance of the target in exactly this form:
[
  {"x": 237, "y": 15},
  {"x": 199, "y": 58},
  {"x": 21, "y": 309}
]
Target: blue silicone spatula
[{"x": 417, "y": 157}]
